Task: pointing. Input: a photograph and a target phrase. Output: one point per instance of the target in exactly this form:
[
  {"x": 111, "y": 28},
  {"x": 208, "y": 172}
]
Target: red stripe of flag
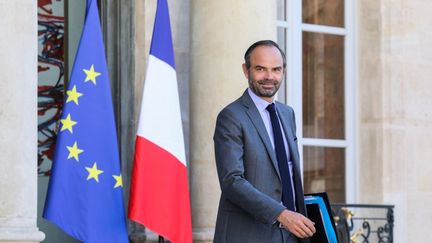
[{"x": 159, "y": 196}]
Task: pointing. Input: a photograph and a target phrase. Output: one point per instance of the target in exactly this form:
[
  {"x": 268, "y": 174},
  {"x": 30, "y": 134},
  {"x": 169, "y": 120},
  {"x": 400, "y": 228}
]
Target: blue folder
[{"x": 316, "y": 205}]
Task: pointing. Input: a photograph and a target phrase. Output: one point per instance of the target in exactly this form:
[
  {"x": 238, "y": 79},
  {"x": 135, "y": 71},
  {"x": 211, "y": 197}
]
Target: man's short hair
[{"x": 262, "y": 43}]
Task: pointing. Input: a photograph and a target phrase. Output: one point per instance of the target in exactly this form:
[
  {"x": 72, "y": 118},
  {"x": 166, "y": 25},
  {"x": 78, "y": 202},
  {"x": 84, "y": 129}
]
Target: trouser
[{"x": 283, "y": 235}]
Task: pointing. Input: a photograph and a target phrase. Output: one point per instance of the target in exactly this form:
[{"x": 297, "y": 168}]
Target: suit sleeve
[{"x": 229, "y": 150}]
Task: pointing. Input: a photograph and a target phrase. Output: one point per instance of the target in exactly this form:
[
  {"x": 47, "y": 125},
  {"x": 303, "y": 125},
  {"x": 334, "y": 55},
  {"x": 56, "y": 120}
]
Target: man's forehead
[{"x": 265, "y": 56}]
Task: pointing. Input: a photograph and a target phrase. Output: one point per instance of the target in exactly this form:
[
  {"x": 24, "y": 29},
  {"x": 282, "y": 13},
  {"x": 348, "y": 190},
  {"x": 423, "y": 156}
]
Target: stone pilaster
[
  {"x": 18, "y": 122},
  {"x": 221, "y": 31},
  {"x": 370, "y": 92},
  {"x": 396, "y": 120}
]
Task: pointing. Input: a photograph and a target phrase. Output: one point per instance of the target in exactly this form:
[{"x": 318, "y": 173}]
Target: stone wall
[{"x": 395, "y": 100}]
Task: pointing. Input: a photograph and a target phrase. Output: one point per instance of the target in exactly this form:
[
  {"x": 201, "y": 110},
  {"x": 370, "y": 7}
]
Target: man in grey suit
[{"x": 257, "y": 159}]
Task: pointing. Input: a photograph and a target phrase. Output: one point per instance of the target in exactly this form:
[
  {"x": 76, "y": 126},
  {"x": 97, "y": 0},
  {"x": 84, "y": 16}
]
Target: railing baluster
[{"x": 364, "y": 223}]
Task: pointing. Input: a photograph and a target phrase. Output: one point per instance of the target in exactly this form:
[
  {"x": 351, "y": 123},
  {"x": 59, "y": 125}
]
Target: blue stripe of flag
[{"x": 161, "y": 46}]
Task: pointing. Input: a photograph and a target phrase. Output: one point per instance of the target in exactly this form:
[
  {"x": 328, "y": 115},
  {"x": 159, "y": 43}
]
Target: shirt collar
[{"x": 260, "y": 104}]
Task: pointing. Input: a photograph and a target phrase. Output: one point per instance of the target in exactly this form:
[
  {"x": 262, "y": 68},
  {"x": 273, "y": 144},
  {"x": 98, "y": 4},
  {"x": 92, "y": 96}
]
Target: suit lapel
[
  {"x": 286, "y": 125},
  {"x": 256, "y": 119},
  {"x": 292, "y": 144}
]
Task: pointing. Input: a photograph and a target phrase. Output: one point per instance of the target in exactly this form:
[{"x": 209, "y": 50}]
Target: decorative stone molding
[{"x": 21, "y": 235}]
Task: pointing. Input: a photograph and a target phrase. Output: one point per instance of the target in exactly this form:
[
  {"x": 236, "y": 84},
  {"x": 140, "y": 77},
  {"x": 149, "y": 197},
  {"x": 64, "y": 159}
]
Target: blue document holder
[{"x": 319, "y": 213}]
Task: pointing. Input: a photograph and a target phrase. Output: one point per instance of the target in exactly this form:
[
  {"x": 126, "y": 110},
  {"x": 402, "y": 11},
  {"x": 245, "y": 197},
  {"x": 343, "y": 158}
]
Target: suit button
[{"x": 278, "y": 191}]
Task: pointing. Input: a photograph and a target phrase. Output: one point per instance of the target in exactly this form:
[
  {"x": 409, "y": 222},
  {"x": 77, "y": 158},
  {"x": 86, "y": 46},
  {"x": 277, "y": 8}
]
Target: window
[{"x": 317, "y": 37}]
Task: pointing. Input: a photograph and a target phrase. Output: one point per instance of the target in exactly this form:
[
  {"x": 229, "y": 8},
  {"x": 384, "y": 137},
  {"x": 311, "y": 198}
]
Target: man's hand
[{"x": 296, "y": 223}]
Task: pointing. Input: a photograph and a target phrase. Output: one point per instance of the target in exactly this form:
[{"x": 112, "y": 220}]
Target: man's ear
[{"x": 245, "y": 71}]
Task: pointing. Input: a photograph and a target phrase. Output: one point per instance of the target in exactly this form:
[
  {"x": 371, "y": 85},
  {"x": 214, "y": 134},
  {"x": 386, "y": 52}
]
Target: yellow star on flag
[
  {"x": 119, "y": 181},
  {"x": 93, "y": 172},
  {"x": 73, "y": 95},
  {"x": 91, "y": 74},
  {"x": 67, "y": 123},
  {"x": 74, "y": 151}
]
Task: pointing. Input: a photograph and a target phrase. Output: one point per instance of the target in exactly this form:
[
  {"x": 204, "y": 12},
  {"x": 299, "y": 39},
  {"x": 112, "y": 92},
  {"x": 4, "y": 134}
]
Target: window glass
[
  {"x": 281, "y": 9},
  {"x": 281, "y": 40},
  {"x": 324, "y": 12},
  {"x": 323, "y": 86},
  {"x": 324, "y": 171}
]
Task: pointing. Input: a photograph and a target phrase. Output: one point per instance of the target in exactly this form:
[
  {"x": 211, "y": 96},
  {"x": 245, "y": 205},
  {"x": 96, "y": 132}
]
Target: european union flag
[{"x": 85, "y": 194}]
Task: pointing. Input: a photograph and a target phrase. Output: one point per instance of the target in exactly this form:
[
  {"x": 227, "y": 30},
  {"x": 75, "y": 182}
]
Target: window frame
[{"x": 292, "y": 94}]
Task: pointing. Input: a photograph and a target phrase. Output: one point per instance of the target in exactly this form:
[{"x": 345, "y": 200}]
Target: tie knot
[{"x": 271, "y": 108}]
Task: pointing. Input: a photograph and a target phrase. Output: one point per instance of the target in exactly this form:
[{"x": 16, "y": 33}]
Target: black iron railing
[{"x": 364, "y": 223}]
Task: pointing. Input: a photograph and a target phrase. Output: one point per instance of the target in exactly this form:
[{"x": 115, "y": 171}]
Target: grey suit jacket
[{"x": 248, "y": 173}]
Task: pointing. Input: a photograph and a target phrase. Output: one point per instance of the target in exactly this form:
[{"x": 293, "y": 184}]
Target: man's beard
[{"x": 255, "y": 86}]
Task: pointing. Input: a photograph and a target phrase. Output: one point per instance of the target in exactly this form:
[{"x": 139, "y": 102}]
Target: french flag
[{"x": 159, "y": 197}]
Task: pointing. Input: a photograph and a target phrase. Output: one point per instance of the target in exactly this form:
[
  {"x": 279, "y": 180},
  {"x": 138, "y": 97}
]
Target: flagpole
[{"x": 161, "y": 239}]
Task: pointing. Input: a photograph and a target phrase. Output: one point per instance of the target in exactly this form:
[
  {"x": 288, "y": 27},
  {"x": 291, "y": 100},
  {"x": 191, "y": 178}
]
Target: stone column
[
  {"x": 18, "y": 122},
  {"x": 221, "y": 31}
]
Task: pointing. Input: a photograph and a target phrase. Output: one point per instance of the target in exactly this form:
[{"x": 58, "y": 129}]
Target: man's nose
[{"x": 269, "y": 75}]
